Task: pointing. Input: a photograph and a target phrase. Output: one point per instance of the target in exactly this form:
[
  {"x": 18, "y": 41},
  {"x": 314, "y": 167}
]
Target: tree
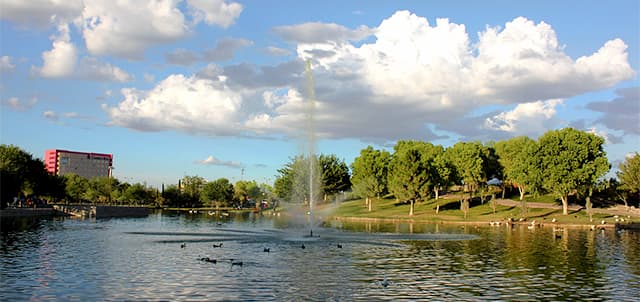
[
  {"x": 570, "y": 158},
  {"x": 21, "y": 174},
  {"x": 219, "y": 190},
  {"x": 410, "y": 172},
  {"x": 519, "y": 158},
  {"x": 76, "y": 186},
  {"x": 370, "y": 172},
  {"x": 137, "y": 193},
  {"x": 174, "y": 197},
  {"x": 335, "y": 175},
  {"x": 469, "y": 159},
  {"x": 245, "y": 190},
  {"x": 629, "y": 176},
  {"x": 191, "y": 186}
]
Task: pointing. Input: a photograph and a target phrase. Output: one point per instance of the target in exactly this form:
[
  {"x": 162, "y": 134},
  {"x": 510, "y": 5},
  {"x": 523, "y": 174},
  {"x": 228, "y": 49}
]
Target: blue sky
[{"x": 218, "y": 88}]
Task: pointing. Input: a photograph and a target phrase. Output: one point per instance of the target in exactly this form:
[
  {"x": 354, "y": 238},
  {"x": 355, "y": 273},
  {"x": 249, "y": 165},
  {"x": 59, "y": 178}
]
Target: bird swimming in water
[
  {"x": 183, "y": 245},
  {"x": 266, "y": 250},
  {"x": 384, "y": 281},
  {"x": 207, "y": 259},
  {"x": 339, "y": 245},
  {"x": 236, "y": 263},
  {"x": 217, "y": 245},
  {"x": 303, "y": 247}
]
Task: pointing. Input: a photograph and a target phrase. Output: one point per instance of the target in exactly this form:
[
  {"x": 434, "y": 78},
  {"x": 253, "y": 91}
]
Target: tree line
[
  {"x": 22, "y": 176},
  {"x": 567, "y": 163}
]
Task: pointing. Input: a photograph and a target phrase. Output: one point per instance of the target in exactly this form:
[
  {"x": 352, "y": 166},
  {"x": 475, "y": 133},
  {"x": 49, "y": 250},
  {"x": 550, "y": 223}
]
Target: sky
[{"x": 223, "y": 88}]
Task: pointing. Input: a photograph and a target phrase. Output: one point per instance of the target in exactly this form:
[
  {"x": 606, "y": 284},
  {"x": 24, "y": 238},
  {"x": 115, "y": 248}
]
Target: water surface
[{"x": 141, "y": 259}]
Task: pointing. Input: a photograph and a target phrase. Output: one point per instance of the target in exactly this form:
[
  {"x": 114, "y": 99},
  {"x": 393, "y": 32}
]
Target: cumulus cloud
[
  {"x": 126, "y": 29},
  {"x": 608, "y": 137},
  {"x": 277, "y": 51},
  {"x": 122, "y": 28},
  {"x": 410, "y": 79},
  {"x": 316, "y": 32},
  {"x": 6, "y": 65},
  {"x": 529, "y": 119},
  {"x": 40, "y": 13},
  {"x": 223, "y": 50},
  {"x": 61, "y": 60},
  {"x": 212, "y": 161},
  {"x": 621, "y": 113},
  {"x": 18, "y": 105},
  {"x": 218, "y": 12},
  {"x": 188, "y": 104},
  {"x": 93, "y": 69}
]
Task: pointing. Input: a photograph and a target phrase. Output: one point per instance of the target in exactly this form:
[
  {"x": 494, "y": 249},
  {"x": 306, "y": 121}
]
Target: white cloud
[
  {"x": 127, "y": 28},
  {"x": 93, "y": 69},
  {"x": 525, "y": 119},
  {"x": 218, "y": 12},
  {"x": 6, "y": 65},
  {"x": 608, "y": 137},
  {"x": 316, "y": 32},
  {"x": 61, "y": 60},
  {"x": 15, "y": 103},
  {"x": 410, "y": 79},
  {"x": 277, "y": 51},
  {"x": 40, "y": 13},
  {"x": 216, "y": 162},
  {"x": 188, "y": 104},
  {"x": 51, "y": 115}
]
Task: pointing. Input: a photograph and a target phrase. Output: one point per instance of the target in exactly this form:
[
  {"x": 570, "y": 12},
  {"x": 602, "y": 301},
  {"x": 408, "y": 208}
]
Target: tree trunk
[
  {"x": 437, "y": 191},
  {"x": 411, "y": 208},
  {"x": 504, "y": 188},
  {"x": 437, "y": 208},
  {"x": 521, "y": 190},
  {"x": 370, "y": 202},
  {"x": 565, "y": 204}
]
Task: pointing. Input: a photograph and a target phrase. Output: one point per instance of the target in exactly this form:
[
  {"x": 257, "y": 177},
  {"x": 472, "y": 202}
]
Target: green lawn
[{"x": 450, "y": 211}]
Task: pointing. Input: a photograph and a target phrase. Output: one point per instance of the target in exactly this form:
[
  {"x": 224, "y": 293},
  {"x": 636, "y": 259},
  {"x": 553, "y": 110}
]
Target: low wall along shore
[{"x": 102, "y": 211}]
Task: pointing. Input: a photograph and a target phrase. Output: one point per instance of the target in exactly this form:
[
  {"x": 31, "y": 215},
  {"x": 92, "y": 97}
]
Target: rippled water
[{"x": 141, "y": 259}]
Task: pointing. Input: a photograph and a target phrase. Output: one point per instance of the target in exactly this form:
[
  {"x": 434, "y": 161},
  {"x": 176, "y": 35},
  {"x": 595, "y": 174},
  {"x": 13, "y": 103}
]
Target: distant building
[{"x": 85, "y": 164}]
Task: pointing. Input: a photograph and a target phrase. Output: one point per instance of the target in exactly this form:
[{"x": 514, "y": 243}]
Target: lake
[{"x": 142, "y": 259}]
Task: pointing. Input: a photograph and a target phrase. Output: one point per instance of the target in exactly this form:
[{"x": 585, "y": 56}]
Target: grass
[{"x": 450, "y": 212}]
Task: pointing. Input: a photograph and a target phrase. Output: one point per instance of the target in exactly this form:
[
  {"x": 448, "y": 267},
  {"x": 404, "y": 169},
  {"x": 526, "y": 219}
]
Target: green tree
[
  {"x": 470, "y": 161},
  {"x": 21, "y": 174},
  {"x": 191, "y": 187},
  {"x": 173, "y": 197},
  {"x": 218, "y": 191},
  {"x": 137, "y": 193},
  {"x": 569, "y": 159},
  {"x": 76, "y": 185},
  {"x": 246, "y": 189},
  {"x": 519, "y": 157},
  {"x": 410, "y": 172},
  {"x": 370, "y": 173},
  {"x": 629, "y": 176},
  {"x": 335, "y": 175}
]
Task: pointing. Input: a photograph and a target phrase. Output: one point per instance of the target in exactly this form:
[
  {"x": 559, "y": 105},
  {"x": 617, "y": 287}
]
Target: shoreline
[{"x": 632, "y": 225}]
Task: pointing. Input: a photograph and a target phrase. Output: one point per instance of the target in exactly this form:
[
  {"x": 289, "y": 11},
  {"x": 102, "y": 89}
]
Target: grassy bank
[{"x": 478, "y": 212}]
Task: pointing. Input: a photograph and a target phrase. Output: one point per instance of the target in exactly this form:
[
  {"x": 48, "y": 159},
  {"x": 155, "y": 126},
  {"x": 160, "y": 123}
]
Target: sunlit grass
[{"x": 450, "y": 211}]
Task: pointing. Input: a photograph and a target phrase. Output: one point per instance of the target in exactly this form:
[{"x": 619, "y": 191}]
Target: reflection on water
[{"x": 141, "y": 259}]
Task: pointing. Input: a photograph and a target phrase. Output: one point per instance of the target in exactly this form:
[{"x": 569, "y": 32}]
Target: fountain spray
[{"x": 310, "y": 108}]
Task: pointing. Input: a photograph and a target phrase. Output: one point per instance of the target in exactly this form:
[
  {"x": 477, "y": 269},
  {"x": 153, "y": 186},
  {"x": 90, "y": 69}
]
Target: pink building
[{"x": 87, "y": 165}]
